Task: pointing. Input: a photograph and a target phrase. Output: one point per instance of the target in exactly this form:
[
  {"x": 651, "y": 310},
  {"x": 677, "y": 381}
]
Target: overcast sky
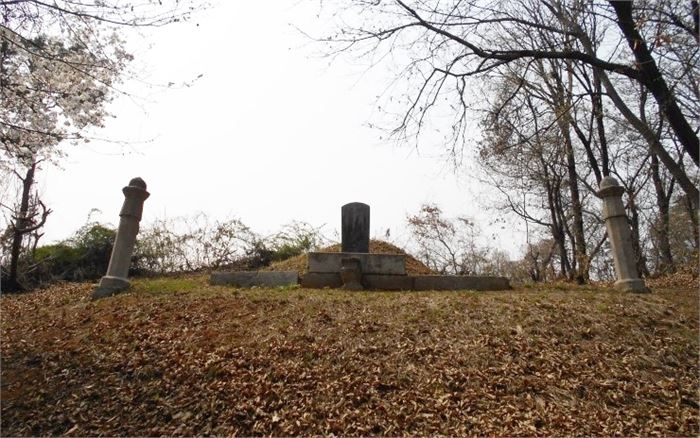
[{"x": 269, "y": 133}]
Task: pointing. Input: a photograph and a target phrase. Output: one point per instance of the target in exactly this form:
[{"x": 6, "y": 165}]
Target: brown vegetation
[
  {"x": 686, "y": 276},
  {"x": 180, "y": 357}
]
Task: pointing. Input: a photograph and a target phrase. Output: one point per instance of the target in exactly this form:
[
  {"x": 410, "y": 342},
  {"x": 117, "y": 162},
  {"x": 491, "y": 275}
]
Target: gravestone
[{"x": 355, "y": 227}]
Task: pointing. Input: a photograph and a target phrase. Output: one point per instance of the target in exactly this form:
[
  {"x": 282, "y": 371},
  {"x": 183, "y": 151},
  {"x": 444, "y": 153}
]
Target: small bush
[
  {"x": 94, "y": 244},
  {"x": 85, "y": 256},
  {"x": 52, "y": 262}
]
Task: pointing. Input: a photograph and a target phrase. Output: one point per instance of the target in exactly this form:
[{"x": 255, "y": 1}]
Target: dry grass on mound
[
  {"x": 685, "y": 277},
  {"x": 300, "y": 262},
  {"x": 178, "y": 357}
]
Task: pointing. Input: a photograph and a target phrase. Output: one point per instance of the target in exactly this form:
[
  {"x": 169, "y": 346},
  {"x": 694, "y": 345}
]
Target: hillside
[{"x": 180, "y": 357}]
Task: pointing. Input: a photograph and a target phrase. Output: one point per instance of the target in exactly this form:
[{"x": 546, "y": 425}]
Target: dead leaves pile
[
  {"x": 298, "y": 362},
  {"x": 686, "y": 276}
]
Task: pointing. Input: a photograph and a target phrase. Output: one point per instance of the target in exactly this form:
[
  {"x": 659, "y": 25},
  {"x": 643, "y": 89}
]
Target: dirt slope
[{"x": 177, "y": 357}]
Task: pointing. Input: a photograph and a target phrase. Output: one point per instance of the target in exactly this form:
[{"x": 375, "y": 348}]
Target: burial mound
[{"x": 300, "y": 263}]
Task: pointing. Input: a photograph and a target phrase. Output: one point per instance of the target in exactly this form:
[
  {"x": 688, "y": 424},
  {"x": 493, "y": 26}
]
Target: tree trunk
[
  {"x": 636, "y": 240},
  {"x": 568, "y": 267},
  {"x": 666, "y": 264},
  {"x": 19, "y": 229},
  {"x": 561, "y": 92},
  {"x": 588, "y": 146},
  {"x": 692, "y": 209},
  {"x": 579, "y": 244},
  {"x": 600, "y": 125},
  {"x": 560, "y": 241},
  {"x": 556, "y": 228}
]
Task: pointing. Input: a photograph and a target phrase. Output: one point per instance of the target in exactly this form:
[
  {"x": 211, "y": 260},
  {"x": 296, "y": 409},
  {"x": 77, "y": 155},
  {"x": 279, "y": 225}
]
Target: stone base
[
  {"x": 110, "y": 286},
  {"x": 255, "y": 278},
  {"x": 459, "y": 282},
  {"x": 632, "y": 285},
  {"x": 317, "y": 280},
  {"x": 388, "y": 282},
  {"x": 388, "y": 264}
]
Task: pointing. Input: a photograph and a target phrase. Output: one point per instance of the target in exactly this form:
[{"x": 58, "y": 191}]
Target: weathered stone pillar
[
  {"x": 355, "y": 227},
  {"x": 620, "y": 236},
  {"x": 116, "y": 279}
]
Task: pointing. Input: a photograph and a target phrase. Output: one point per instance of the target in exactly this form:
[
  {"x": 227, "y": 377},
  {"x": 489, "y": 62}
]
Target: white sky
[{"x": 270, "y": 133}]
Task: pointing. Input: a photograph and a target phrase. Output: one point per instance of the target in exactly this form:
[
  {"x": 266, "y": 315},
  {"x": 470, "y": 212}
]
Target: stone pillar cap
[
  {"x": 608, "y": 181},
  {"x": 138, "y": 182},
  {"x": 610, "y": 186}
]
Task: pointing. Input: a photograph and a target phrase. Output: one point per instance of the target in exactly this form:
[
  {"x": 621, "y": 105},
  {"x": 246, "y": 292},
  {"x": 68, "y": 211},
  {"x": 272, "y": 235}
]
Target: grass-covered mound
[
  {"x": 180, "y": 357},
  {"x": 300, "y": 262}
]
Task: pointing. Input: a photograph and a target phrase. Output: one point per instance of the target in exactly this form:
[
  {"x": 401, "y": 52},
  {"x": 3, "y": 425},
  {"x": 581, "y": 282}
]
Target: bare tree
[
  {"x": 28, "y": 217},
  {"x": 449, "y": 245},
  {"x": 444, "y": 46}
]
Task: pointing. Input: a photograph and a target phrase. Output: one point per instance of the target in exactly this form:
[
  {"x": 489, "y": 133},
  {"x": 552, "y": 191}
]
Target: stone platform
[
  {"x": 355, "y": 268},
  {"x": 255, "y": 278},
  {"x": 373, "y": 271},
  {"x": 388, "y": 272},
  {"x": 387, "y": 264},
  {"x": 318, "y": 280}
]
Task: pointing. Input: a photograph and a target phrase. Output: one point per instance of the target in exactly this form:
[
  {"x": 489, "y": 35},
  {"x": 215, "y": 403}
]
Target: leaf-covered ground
[{"x": 179, "y": 357}]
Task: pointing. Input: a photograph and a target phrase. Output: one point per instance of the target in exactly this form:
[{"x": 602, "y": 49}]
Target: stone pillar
[
  {"x": 116, "y": 279},
  {"x": 355, "y": 227},
  {"x": 620, "y": 236}
]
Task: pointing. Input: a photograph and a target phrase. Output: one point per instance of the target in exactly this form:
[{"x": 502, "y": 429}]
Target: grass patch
[{"x": 196, "y": 283}]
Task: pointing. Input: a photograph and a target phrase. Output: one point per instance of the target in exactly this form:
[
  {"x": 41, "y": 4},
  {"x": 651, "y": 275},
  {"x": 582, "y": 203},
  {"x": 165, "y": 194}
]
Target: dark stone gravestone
[{"x": 355, "y": 227}]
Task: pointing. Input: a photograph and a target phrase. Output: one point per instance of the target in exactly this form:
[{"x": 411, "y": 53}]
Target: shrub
[
  {"x": 184, "y": 244},
  {"x": 50, "y": 263},
  {"x": 85, "y": 256},
  {"x": 197, "y": 242},
  {"x": 94, "y": 243}
]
